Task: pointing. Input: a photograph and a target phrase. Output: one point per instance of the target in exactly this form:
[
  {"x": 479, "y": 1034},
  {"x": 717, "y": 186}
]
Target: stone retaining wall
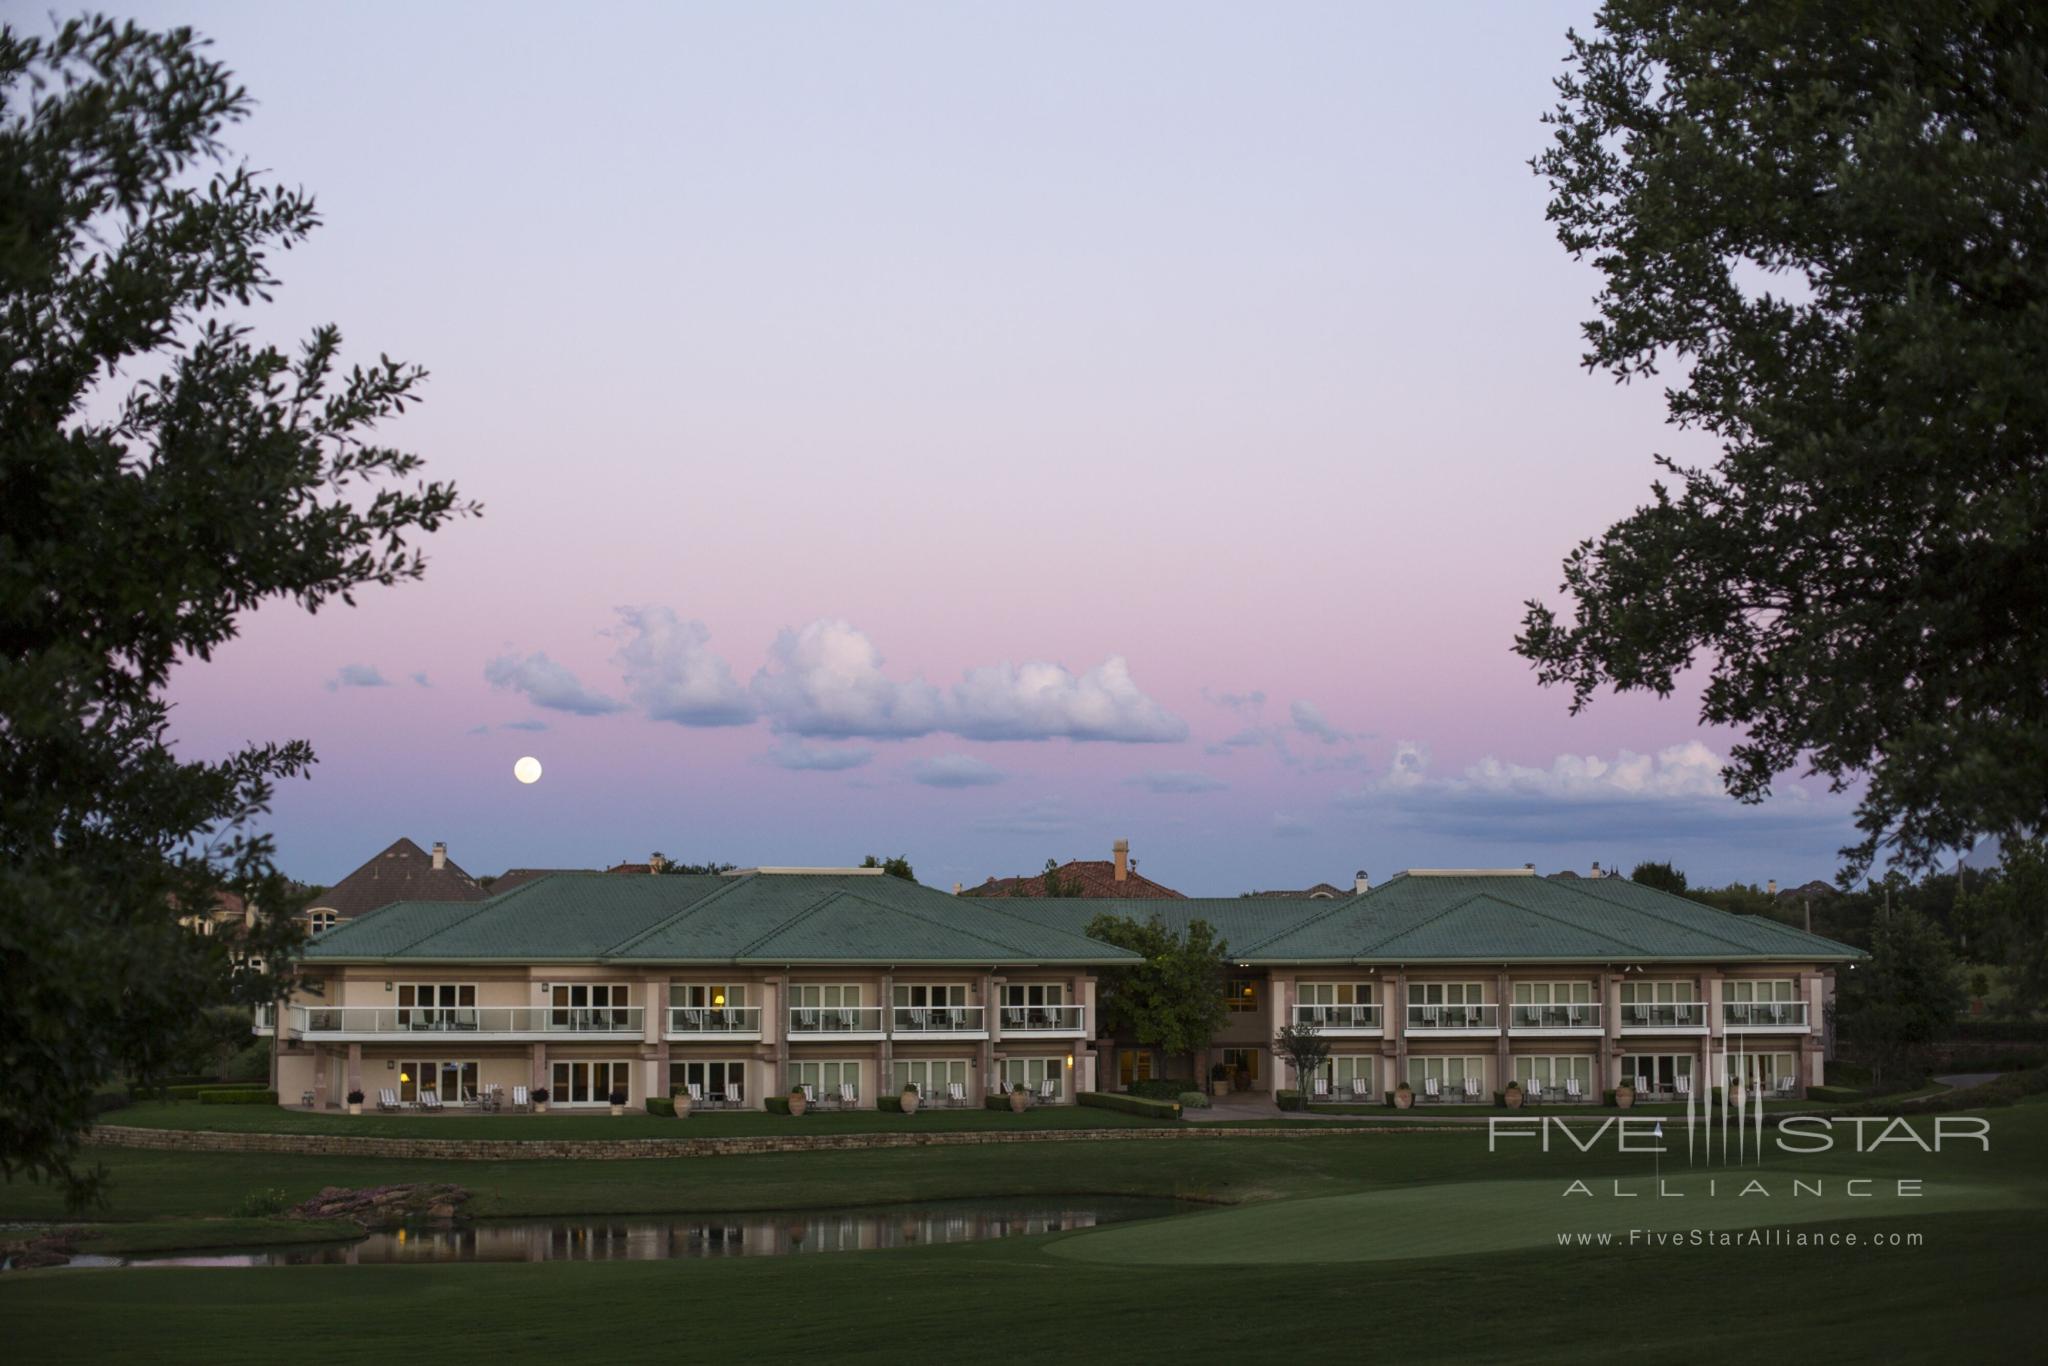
[{"x": 625, "y": 1149}]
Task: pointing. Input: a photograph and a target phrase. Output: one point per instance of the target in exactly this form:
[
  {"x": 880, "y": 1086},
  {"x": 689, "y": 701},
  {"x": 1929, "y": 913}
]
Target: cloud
[
  {"x": 478, "y": 730},
  {"x": 1173, "y": 780},
  {"x": 548, "y": 684},
  {"x": 1309, "y": 721},
  {"x": 524, "y": 725},
  {"x": 1286, "y": 827},
  {"x": 673, "y": 675},
  {"x": 955, "y": 770},
  {"x": 1044, "y": 816},
  {"x": 827, "y": 680},
  {"x": 807, "y": 759},
  {"x": 357, "y": 676},
  {"x": 420, "y": 678},
  {"x": 1237, "y": 701}
]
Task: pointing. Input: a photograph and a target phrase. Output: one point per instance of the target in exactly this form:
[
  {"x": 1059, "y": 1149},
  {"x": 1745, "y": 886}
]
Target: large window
[
  {"x": 1666, "y": 1004},
  {"x": 587, "y": 1005},
  {"x": 1032, "y": 1004},
  {"x": 451, "y": 1082},
  {"x": 829, "y": 1006},
  {"x": 825, "y": 1078},
  {"x": 436, "y": 1005},
  {"x": 1763, "y": 1071},
  {"x": 722, "y": 1081},
  {"x": 1555, "y": 1071},
  {"x": 1447, "y": 1005},
  {"x": 320, "y": 920},
  {"x": 589, "y": 1083},
  {"x": 1745, "y": 990},
  {"x": 1241, "y": 994},
  {"x": 1133, "y": 1064},
  {"x": 932, "y": 1077},
  {"x": 1449, "y": 1074},
  {"x": 1661, "y": 1073},
  {"x": 1031, "y": 1073},
  {"x": 1243, "y": 1064},
  {"x": 707, "y": 996},
  {"x": 927, "y": 1006},
  {"x": 1340, "y": 1070},
  {"x": 1343, "y": 1004}
]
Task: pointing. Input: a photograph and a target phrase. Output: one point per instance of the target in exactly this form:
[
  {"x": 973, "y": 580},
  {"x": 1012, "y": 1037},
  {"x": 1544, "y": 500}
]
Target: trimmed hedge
[
  {"x": 1160, "y": 1088},
  {"x": 1290, "y": 1100},
  {"x": 2000, "y": 1031},
  {"x": 995, "y": 1102},
  {"x": 242, "y": 1097},
  {"x": 1130, "y": 1105},
  {"x": 177, "y": 1093},
  {"x": 1193, "y": 1100},
  {"x": 661, "y": 1105},
  {"x": 2006, "y": 1090},
  {"x": 776, "y": 1105},
  {"x": 890, "y": 1105}
]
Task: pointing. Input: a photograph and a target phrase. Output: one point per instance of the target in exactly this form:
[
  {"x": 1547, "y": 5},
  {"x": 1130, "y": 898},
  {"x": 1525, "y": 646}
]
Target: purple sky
[{"x": 1178, "y": 402}]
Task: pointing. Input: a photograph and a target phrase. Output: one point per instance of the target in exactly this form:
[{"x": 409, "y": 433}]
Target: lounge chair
[
  {"x": 807, "y": 1019},
  {"x": 1572, "y": 1090},
  {"x": 1532, "y": 1092},
  {"x": 520, "y": 1100},
  {"x": 1643, "y": 1087},
  {"x": 1431, "y": 1089},
  {"x": 1785, "y": 1086},
  {"x": 920, "y": 1018},
  {"x": 387, "y": 1099},
  {"x": 1360, "y": 1092},
  {"x": 430, "y": 1100},
  {"x": 1684, "y": 1085},
  {"x": 810, "y": 1094},
  {"x": 846, "y": 1020},
  {"x": 956, "y": 1093},
  {"x": 734, "y": 1098},
  {"x": 1049, "y": 1092},
  {"x": 848, "y": 1097},
  {"x": 1473, "y": 1090}
]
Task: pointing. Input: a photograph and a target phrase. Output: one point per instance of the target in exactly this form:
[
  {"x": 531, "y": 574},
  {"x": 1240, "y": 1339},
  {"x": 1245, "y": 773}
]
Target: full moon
[{"x": 527, "y": 770}]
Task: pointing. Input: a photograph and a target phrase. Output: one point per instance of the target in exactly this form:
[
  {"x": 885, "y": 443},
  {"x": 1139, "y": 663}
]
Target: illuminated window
[{"x": 1243, "y": 994}]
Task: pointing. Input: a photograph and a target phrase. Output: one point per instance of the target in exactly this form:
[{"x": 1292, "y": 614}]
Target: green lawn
[
  {"x": 1422, "y": 1246},
  {"x": 633, "y": 1124}
]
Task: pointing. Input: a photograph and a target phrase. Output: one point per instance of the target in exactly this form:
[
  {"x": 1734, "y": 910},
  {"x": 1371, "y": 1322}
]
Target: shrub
[
  {"x": 1159, "y": 1088},
  {"x": 246, "y": 1096},
  {"x": 1290, "y": 1100},
  {"x": 191, "y": 1090},
  {"x": 776, "y": 1105},
  {"x": 889, "y": 1104},
  {"x": 1130, "y": 1105},
  {"x": 1833, "y": 1093},
  {"x": 539, "y": 1095},
  {"x": 2000, "y": 1031},
  {"x": 995, "y": 1102},
  {"x": 263, "y": 1204},
  {"x": 1193, "y": 1100},
  {"x": 661, "y": 1105},
  {"x": 1219, "y": 1073},
  {"x": 251, "y": 1062}
]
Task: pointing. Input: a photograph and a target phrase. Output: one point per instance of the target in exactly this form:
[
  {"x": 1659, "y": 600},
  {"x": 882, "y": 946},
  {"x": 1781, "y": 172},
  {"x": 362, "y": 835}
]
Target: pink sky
[{"x": 1234, "y": 347}]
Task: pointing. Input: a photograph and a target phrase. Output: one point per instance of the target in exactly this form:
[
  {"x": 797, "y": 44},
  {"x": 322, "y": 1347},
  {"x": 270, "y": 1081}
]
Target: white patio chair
[
  {"x": 1359, "y": 1090},
  {"x": 1431, "y": 1090},
  {"x": 520, "y": 1100},
  {"x": 734, "y": 1096},
  {"x": 1572, "y": 1090},
  {"x": 956, "y": 1093},
  {"x": 1473, "y": 1090},
  {"x": 1321, "y": 1090},
  {"x": 1049, "y": 1092},
  {"x": 810, "y": 1094},
  {"x": 387, "y": 1099},
  {"x": 430, "y": 1100},
  {"x": 920, "y": 1018},
  {"x": 846, "y": 1020},
  {"x": 1643, "y": 1085},
  {"x": 1785, "y": 1086},
  {"x": 1532, "y": 1092},
  {"x": 848, "y": 1097},
  {"x": 1684, "y": 1084},
  {"x": 807, "y": 1019},
  {"x": 696, "y": 1090}
]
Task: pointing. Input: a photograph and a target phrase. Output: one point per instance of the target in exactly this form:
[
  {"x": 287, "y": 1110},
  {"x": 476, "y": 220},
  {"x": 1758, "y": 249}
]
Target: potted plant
[
  {"x": 355, "y": 1102},
  {"x": 909, "y": 1098},
  {"x": 1404, "y": 1096},
  {"x": 1734, "y": 1094},
  {"x": 540, "y": 1100},
  {"x": 1019, "y": 1098},
  {"x": 618, "y": 1100},
  {"x": 796, "y": 1100},
  {"x": 1624, "y": 1094},
  {"x": 1513, "y": 1095},
  {"x": 1219, "y": 1080},
  {"x": 681, "y": 1100}
]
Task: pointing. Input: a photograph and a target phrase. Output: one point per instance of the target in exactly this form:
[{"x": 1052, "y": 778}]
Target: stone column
[
  {"x": 1610, "y": 1029},
  {"x": 885, "y": 1052},
  {"x": 1394, "y": 1020},
  {"x": 992, "y": 1016},
  {"x": 355, "y": 1067},
  {"x": 539, "y": 1067}
]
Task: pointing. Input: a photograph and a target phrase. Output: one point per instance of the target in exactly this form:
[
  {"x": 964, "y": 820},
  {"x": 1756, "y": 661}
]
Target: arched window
[{"x": 323, "y": 920}]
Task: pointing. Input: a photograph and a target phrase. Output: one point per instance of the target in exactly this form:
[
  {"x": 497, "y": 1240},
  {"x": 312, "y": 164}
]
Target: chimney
[
  {"x": 1122, "y": 850},
  {"x": 655, "y": 862},
  {"x": 1361, "y": 884},
  {"x": 956, "y": 889},
  {"x": 440, "y": 855},
  {"x": 1771, "y": 887},
  {"x": 1596, "y": 868}
]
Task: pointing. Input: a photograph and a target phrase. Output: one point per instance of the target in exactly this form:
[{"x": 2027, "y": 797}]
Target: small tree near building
[{"x": 1304, "y": 1046}]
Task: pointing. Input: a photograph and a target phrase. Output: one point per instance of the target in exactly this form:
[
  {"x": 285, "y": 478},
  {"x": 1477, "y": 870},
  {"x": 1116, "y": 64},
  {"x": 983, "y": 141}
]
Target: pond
[{"x": 661, "y": 1238}]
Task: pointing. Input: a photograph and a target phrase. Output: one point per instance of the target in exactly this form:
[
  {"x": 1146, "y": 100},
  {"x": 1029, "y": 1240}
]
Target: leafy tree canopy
[
  {"x": 700, "y": 869},
  {"x": 1662, "y": 876},
  {"x": 1174, "y": 999},
  {"x": 1903, "y": 998},
  {"x": 898, "y": 866},
  {"x": 1827, "y": 221},
  {"x": 2006, "y": 919},
  {"x": 161, "y": 475}
]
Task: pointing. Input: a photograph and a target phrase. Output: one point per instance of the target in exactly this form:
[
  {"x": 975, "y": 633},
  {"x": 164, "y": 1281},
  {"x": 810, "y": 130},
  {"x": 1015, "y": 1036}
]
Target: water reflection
[{"x": 658, "y": 1239}]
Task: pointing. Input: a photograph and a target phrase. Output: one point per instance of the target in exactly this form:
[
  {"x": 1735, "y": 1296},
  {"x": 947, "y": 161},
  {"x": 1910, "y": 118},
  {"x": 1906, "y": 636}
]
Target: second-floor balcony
[
  {"x": 717, "y": 1022},
  {"x": 1762, "y": 1016},
  {"x": 1678, "y": 1016},
  {"x": 939, "y": 1022},
  {"x": 1336, "y": 1019},
  {"x": 1573, "y": 1017},
  {"x": 835, "y": 1022},
  {"x": 1453, "y": 1020},
  {"x": 1061, "y": 1021},
  {"x": 368, "y": 1023}
]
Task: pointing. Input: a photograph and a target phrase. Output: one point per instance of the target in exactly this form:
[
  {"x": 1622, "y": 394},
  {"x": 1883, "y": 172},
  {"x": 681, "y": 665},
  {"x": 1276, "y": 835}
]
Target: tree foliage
[
  {"x": 1305, "y": 1046},
  {"x": 1829, "y": 221},
  {"x": 1174, "y": 999},
  {"x": 899, "y": 866},
  {"x": 2006, "y": 918},
  {"x": 711, "y": 868},
  {"x": 161, "y": 475},
  {"x": 1903, "y": 998},
  {"x": 1662, "y": 876}
]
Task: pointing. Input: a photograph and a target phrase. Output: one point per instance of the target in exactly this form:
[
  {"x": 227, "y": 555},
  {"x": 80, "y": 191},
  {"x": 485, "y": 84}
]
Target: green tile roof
[
  {"x": 775, "y": 919},
  {"x": 764, "y": 919}
]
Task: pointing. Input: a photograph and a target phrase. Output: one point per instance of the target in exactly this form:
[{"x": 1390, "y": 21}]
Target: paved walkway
[{"x": 1962, "y": 1079}]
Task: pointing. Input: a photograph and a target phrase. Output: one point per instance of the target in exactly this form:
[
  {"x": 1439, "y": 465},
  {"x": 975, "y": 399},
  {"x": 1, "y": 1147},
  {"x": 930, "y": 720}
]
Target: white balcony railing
[
  {"x": 816, "y": 1020},
  {"x": 1663, "y": 1015},
  {"x": 472, "y": 1021},
  {"x": 1764, "y": 1014},
  {"x": 714, "y": 1020},
  {"x": 1339, "y": 1017},
  {"x": 939, "y": 1020},
  {"x": 1422, "y": 1019},
  {"x": 1044, "y": 1019},
  {"x": 1569, "y": 1015},
  {"x": 265, "y": 1021}
]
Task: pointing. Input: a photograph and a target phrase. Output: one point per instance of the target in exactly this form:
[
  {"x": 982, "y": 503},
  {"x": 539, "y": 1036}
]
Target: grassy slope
[{"x": 1959, "y": 1297}]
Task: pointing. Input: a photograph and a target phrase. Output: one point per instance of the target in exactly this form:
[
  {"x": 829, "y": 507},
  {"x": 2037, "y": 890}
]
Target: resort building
[{"x": 854, "y": 983}]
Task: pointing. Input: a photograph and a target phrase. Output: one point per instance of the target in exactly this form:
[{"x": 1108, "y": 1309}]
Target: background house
[
  {"x": 402, "y": 872},
  {"x": 1096, "y": 879}
]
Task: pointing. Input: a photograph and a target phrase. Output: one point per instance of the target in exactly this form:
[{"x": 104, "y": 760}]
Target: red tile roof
[
  {"x": 403, "y": 872},
  {"x": 1097, "y": 879}
]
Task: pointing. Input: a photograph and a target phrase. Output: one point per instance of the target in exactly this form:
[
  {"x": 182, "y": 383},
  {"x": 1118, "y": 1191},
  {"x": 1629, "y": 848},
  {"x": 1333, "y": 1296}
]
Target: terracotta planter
[
  {"x": 797, "y": 1103},
  {"x": 1735, "y": 1094},
  {"x": 618, "y": 1110},
  {"x": 355, "y": 1107},
  {"x": 1513, "y": 1097},
  {"x": 1404, "y": 1098},
  {"x": 1624, "y": 1097},
  {"x": 682, "y": 1104},
  {"x": 909, "y": 1102},
  {"x": 1018, "y": 1100},
  {"x": 540, "y": 1107}
]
